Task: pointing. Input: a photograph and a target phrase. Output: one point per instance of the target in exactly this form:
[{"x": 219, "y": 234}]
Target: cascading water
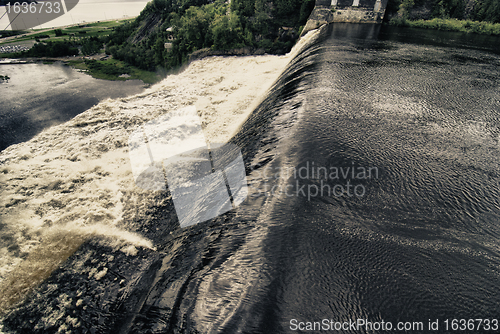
[{"x": 372, "y": 169}]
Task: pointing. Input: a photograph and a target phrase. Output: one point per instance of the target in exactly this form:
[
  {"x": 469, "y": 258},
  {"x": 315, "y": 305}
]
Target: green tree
[
  {"x": 227, "y": 32},
  {"x": 159, "y": 49},
  {"x": 243, "y": 7},
  {"x": 91, "y": 45},
  {"x": 487, "y": 10},
  {"x": 197, "y": 24},
  {"x": 51, "y": 49},
  {"x": 404, "y": 8}
]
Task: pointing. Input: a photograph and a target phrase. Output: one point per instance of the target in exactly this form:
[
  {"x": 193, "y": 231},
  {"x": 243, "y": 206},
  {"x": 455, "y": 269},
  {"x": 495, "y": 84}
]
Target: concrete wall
[{"x": 354, "y": 11}]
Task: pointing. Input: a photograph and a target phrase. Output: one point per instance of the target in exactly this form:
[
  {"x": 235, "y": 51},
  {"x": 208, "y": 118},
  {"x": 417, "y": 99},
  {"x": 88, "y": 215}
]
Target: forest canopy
[
  {"x": 475, "y": 10},
  {"x": 167, "y": 31}
]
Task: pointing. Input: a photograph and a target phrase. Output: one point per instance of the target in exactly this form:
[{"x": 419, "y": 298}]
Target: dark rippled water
[{"x": 419, "y": 240}]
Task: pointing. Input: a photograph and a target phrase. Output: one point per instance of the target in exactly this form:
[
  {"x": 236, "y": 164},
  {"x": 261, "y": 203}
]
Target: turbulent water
[
  {"x": 373, "y": 172},
  {"x": 39, "y": 96}
]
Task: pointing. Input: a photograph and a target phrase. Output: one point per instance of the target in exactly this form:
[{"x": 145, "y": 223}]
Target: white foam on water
[{"x": 74, "y": 181}]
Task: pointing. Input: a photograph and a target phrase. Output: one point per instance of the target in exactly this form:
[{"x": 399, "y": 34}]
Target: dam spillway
[{"x": 414, "y": 241}]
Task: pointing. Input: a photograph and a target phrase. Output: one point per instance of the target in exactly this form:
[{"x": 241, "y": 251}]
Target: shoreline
[
  {"x": 78, "y": 63},
  {"x": 453, "y": 25}
]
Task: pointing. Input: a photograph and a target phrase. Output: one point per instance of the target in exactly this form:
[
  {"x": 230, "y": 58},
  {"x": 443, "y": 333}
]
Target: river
[
  {"x": 38, "y": 96},
  {"x": 373, "y": 176}
]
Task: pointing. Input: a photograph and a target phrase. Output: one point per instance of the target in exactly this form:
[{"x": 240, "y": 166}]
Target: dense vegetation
[
  {"x": 88, "y": 46},
  {"x": 8, "y": 33},
  {"x": 106, "y": 68},
  {"x": 113, "y": 69},
  {"x": 468, "y": 26},
  {"x": 89, "y": 39},
  {"x": 167, "y": 32},
  {"x": 191, "y": 25},
  {"x": 446, "y": 13},
  {"x": 51, "y": 49},
  {"x": 91, "y": 45}
]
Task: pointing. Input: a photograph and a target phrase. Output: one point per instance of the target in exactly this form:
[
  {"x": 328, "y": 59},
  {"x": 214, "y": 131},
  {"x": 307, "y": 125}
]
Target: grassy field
[
  {"x": 98, "y": 29},
  {"x": 112, "y": 69}
]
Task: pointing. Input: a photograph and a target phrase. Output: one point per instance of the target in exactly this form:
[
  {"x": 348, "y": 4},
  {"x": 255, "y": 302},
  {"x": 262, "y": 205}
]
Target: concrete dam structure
[{"x": 353, "y": 11}]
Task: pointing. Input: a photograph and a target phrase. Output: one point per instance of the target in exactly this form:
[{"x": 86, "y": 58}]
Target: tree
[
  {"x": 487, "y": 10},
  {"x": 227, "y": 32},
  {"x": 191, "y": 25},
  {"x": 91, "y": 45}
]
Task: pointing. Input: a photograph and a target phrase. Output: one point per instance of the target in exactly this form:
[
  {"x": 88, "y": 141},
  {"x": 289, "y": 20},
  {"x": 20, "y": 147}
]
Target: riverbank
[
  {"x": 466, "y": 26},
  {"x": 99, "y": 65},
  {"x": 82, "y": 187}
]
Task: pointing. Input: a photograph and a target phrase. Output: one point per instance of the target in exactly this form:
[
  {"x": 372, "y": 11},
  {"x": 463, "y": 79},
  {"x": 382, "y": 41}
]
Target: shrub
[
  {"x": 51, "y": 49},
  {"x": 466, "y": 26}
]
